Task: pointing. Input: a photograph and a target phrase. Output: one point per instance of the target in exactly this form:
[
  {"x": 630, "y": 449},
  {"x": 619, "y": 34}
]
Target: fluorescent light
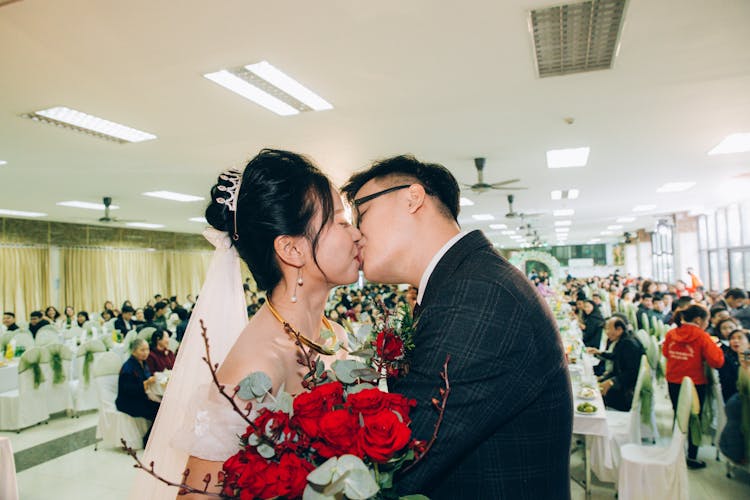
[
  {"x": 289, "y": 85},
  {"x": 675, "y": 187},
  {"x": 562, "y": 229},
  {"x": 614, "y": 227},
  {"x": 90, "y": 124},
  {"x": 169, "y": 195},
  {"x": 606, "y": 233},
  {"x": 248, "y": 91},
  {"x": 572, "y": 194},
  {"x": 625, "y": 219},
  {"x": 568, "y": 194},
  {"x": 3, "y": 162},
  {"x": 85, "y": 204},
  {"x": 643, "y": 208},
  {"x": 733, "y": 143},
  {"x": 556, "y": 194},
  {"x": 483, "y": 217},
  {"x": 562, "y": 223},
  {"x": 198, "y": 219},
  {"x": 20, "y": 213},
  {"x": 465, "y": 202},
  {"x": 145, "y": 225},
  {"x": 563, "y": 212},
  {"x": 508, "y": 232},
  {"x": 563, "y": 158},
  {"x": 498, "y": 226},
  {"x": 594, "y": 240}
]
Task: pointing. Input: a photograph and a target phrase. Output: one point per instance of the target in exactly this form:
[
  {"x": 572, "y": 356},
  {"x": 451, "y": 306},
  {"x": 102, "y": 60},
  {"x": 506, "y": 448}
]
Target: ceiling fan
[
  {"x": 512, "y": 214},
  {"x": 481, "y": 186},
  {"x": 106, "y": 219}
]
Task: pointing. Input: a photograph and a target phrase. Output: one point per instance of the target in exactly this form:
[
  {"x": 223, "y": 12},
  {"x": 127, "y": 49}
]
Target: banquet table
[
  {"x": 9, "y": 376},
  {"x": 8, "y": 485}
]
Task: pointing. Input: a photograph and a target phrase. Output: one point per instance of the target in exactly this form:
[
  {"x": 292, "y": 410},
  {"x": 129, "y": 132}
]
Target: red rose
[
  {"x": 383, "y": 436},
  {"x": 401, "y": 404},
  {"x": 276, "y": 426},
  {"x": 367, "y": 402},
  {"x": 309, "y": 407},
  {"x": 389, "y": 346},
  {"x": 292, "y": 475},
  {"x": 258, "y": 477},
  {"x": 338, "y": 435}
]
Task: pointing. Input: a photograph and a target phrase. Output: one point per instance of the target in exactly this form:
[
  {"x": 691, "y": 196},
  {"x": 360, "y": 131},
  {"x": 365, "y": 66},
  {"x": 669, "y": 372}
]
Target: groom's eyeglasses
[{"x": 355, "y": 213}]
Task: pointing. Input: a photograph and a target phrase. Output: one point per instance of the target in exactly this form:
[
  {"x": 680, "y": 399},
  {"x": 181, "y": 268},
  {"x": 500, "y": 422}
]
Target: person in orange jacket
[{"x": 686, "y": 348}]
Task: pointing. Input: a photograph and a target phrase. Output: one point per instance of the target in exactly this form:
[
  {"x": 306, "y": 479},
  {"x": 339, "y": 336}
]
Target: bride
[{"x": 288, "y": 224}]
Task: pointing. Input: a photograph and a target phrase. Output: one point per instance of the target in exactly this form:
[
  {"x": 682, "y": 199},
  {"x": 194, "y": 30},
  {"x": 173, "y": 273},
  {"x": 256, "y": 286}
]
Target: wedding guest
[
  {"x": 36, "y": 321},
  {"x": 105, "y": 316},
  {"x": 139, "y": 319},
  {"x": 618, "y": 385},
  {"x": 646, "y": 307},
  {"x": 70, "y": 317},
  {"x": 149, "y": 314},
  {"x": 108, "y": 306},
  {"x": 734, "y": 441},
  {"x": 592, "y": 324},
  {"x": 135, "y": 377},
  {"x": 718, "y": 314},
  {"x": 160, "y": 315},
  {"x": 725, "y": 327},
  {"x": 125, "y": 322},
  {"x": 53, "y": 317},
  {"x": 184, "y": 316},
  {"x": 82, "y": 318},
  {"x": 686, "y": 348},
  {"x": 125, "y": 304},
  {"x": 736, "y": 298},
  {"x": 739, "y": 342},
  {"x": 160, "y": 358},
  {"x": 9, "y": 321}
]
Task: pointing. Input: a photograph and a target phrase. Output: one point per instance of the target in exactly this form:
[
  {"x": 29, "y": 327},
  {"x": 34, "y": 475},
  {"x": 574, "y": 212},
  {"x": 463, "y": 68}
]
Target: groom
[{"x": 508, "y": 423}]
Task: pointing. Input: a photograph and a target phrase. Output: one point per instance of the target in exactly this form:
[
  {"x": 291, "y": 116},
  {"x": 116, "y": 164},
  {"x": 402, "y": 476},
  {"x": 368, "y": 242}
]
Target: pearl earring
[{"x": 296, "y": 283}]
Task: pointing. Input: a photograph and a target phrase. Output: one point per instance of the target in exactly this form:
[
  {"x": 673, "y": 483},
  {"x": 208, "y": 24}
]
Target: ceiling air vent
[{"x": 576, "y": 37}]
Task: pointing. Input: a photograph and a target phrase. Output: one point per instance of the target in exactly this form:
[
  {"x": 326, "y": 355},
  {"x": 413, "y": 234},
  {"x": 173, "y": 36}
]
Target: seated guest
[
  {"x": 592, "y": 324},
  {"x": 9, "y": 321},
  {"x": 184, "y": 316},
  {"x": 139, "y": 319},
  {"x": 739, "y": 342},
  {"x": 734, "y": 441},
  {"x": 36, "y": 321},
  {"x": 53, "y": 317},
  {"x": 160, "y": 316},
  {"x": 135, "y": 378},
  {"x": 718, "y": 314},
  {"x": 725, "y": 327},
  {"x": 69, "y": 317},
  {"x": 618, "y": 385},
  {"x": 736, "y": 299},
  {"x": 149, "y": 314},
  {"x": 125, "y": 322},
  {"x": 106, "y": 315},
  {"x": 160, "y": 358},
  {"x": 81, "y": 318}
]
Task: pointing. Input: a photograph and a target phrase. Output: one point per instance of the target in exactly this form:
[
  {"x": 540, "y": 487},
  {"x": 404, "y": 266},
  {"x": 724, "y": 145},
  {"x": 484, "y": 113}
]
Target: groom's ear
[
  {"x": 416, "y": 197},
  {"x": 290, "y": 250}
]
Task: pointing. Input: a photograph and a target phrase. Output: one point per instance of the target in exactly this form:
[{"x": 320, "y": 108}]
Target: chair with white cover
[
  {"x": 114, "y": 425},
  {"x": 47, "y": 335},
  {"x": 84, "y": 391},
  {"x": 27, "y": 405},
  {"x": 24, "y": 339},
  {"x": 656, "y": 472},
  {"x": 624, "y": 427},
  {"x": 173, "y": 343},
  {"x": 74, "y": 332},
  {"x": 57, "y": 372},
  {"x": 146, "y": 333}
]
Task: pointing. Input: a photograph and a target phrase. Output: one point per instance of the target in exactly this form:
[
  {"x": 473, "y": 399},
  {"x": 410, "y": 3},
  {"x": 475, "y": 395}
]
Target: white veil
[{"x": 221, "y": 306}]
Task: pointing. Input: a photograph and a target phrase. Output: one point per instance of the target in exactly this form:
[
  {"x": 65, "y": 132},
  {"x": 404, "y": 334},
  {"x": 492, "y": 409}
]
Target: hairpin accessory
[{"x": 234, "y": 178}]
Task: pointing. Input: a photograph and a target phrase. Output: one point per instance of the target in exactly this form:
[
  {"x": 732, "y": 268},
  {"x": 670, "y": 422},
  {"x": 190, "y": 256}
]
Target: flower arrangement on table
[{"x": 345, "y": 436}]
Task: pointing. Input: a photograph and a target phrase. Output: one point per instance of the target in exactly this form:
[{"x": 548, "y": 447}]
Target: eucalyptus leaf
[
  {"x": 323, "y": 474},
  {"x": 385, "y": 480},
  {"x": 365, "y": 374},
  {"x": 354, "y": 389},
  {"x": 253, "y": 440},
  {"x": 360, "y": 485},
  {"x": 254, "y": 386},
  {"x": 319, "y": 368},
  {"x": 343, "y": 369},
  {"x": 265, "y": 450},
  {"x": 414, "y": 497}
]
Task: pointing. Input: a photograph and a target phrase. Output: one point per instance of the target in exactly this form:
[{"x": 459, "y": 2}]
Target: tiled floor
[{"x": 107, "y": 474}]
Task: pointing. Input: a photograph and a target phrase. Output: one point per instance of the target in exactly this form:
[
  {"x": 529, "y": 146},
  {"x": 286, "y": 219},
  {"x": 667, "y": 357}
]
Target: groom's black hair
[{"x": 436, "y": 180}]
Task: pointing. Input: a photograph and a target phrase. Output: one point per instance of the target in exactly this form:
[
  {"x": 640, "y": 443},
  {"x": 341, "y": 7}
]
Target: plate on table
[
  {"x": 586, "y": 409},
  {"x": 586, "y": 393}
]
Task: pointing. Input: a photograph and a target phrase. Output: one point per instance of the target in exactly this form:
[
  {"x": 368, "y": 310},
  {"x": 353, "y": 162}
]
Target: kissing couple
[{"x": 507, "y": 427}]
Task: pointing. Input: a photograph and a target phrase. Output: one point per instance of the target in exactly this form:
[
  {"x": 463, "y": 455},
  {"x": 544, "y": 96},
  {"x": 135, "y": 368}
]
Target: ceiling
[{"x": 445, "y": 81}]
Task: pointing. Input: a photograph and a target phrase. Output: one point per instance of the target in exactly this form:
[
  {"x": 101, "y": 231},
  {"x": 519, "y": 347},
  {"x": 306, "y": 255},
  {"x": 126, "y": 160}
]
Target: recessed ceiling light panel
[
  {"x": 172, "y": 196},
  {"x": 563, "y": 223},
  {"x": 675, "y": 187},
  {"x": 465, "y": 202},
  {"x": 144, "y": 225},
  {"x": 565, "y": 212},
  {"x": 85, "y": 204},
  {"x": 564, "y": 158},
  {"x": 198, "y": 219},
  {"x": 20, "y": 213},
  {"x": 734, "y": 143},
  {"x": 89, "y": 124},
  {"x": 625, "y": 219},
  {"x": 643, "y": 208},
  {"x": 498, "y": 226},
  {"x": 483, "y": 217}
]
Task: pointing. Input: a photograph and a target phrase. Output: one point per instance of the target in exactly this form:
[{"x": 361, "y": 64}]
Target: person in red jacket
[{"x": 686, "y": 349}]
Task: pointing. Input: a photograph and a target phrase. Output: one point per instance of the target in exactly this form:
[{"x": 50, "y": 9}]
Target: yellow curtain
[
  {"x": 186, "y": 272},
  {"x": 25, "y": 285}
]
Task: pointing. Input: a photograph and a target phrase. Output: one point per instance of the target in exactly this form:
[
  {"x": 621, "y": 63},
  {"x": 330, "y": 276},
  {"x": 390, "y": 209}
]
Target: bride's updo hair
[{"x": 279, "y": 195}]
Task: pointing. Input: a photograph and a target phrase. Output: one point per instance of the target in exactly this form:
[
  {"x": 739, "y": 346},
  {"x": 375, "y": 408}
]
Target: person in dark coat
[
  {"x": 508, "y": 421},
  {"x": 125, "y": 322},
  {"x": 739, "y": 342},
  {"x": 135, "y": 378},
  {"x": 618, "y": 385},
  {"x": 593, "y": 324}
]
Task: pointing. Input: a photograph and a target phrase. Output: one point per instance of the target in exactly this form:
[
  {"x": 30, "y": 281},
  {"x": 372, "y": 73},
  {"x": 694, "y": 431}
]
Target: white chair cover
[
  {"x": 146, "y": 333},
  {"x": 59, "y": 395},
  {"x": 114, "y": 425},
  {"x": 655, "y": 472},
  {"x": 47, "y": 335},
  {"x": 84, "y": 392},
  {"x": 624, "y": 427},
  {"x": 27, "y": 405},
  {"x": 24, "y": 339}
]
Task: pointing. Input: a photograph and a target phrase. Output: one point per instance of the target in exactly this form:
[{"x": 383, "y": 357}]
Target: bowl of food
[
  {"x": 587, "y": 393},
  {"x": 586, "y": 409}
]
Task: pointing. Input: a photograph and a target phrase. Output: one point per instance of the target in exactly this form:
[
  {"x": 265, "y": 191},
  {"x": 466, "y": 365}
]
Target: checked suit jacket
[{"x": 508, "y": 423}]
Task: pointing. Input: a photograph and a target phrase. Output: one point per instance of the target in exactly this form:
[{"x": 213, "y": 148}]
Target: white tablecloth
[
  {"x": 589, "y": 424},
  {"x": 8, "y": 486},
  {"x": 9, "y": 377}
]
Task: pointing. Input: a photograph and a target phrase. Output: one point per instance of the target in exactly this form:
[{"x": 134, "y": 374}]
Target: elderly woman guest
[
  {"x": 135, "y": 378},
  {"x": 160, "y": 358},
  {"x": 739, "y": 342}
]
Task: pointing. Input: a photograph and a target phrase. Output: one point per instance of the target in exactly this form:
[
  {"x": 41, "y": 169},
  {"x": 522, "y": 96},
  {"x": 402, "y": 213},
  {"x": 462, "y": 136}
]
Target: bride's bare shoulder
[{"x": 254, "y": 350}]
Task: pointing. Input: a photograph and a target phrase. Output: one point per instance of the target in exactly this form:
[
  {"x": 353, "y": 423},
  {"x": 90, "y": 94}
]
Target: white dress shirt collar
[{"x": 435, "y": 259}]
